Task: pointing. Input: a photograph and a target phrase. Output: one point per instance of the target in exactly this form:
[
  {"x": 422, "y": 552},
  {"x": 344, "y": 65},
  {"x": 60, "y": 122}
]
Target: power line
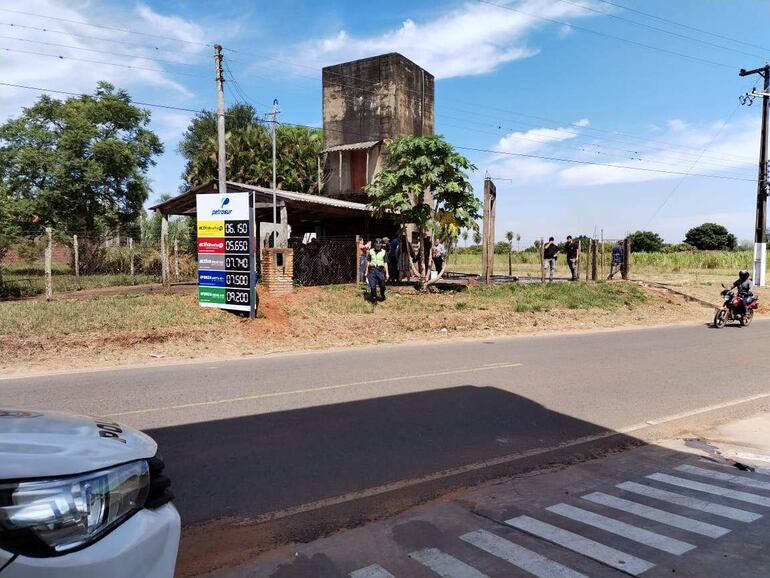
[
  {"x": 103, "y": 27},
  {"x": 151, "y": 104},
  {"x": 663, "y": 30},
  {"x": 611, "y": 36},
  {"x": 129, "y": 66},
  {"x": 121, "y": 54},
  {"x": 687, "y": 26},
  {"x": 87, "y": 37}
]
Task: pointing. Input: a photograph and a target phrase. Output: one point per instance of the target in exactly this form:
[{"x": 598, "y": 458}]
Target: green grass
[
  {"x": 685, "y": 262},
  {"x": 119, "y": 313},
  {"x": 340, "y": 300}
]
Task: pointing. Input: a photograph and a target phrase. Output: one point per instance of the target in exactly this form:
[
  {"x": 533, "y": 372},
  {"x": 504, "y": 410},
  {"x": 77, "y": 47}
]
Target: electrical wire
[
  {"x": 687, "y": 26},
  {"x": 54, "y": 91},
  {"x": 663, "y": 30},
  {"x": 87, "y": 37},
  {"x": 610, "y": 36},
  {"x": 129, "y": 66},
  {"x": 103, "y": 27},
  {"x": 121, "y": 54}
]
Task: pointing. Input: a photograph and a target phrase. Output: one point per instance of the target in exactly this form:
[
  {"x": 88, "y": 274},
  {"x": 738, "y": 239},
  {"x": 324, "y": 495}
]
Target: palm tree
[
  {"x": 477, "y": 238},
  {"x": 465, "y": 238}
]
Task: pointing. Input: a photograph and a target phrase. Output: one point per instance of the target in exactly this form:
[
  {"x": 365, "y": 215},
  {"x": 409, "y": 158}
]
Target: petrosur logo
[{"x": 221, "y": 210}]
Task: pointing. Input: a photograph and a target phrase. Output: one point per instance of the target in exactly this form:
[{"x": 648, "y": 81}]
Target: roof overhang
[
  {"x": 299, "y": 205},
  {"x": 357, "y": 146}
]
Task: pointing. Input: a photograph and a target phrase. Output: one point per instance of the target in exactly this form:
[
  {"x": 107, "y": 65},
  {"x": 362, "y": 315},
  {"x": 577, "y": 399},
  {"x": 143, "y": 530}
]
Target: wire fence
[
  {"x": 325, "y": 261},
  {"x": 56, "y": 262}
]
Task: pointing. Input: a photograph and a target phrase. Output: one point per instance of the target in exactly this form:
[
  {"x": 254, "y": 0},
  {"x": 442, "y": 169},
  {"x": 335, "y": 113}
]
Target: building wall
[{"x": 376, "y": 98}]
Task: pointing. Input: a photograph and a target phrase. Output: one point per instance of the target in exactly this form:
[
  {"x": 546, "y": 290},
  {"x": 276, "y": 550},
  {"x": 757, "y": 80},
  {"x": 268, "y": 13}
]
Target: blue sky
[{"x": 508, "y": 82}]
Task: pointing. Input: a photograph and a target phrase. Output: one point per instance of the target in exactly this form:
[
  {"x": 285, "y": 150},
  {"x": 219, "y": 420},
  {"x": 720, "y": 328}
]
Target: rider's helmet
[{"x": 743, "y": 274}]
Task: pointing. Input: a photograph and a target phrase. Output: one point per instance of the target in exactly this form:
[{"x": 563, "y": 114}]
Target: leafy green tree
[
  {"x": 646, "y": 242},
  {"x": 477, "y": 237},
  {"x": 502, "y": 248},
  {"x": 80, "y": 165},
  {"x": 248, "y": 146},
  {"x": 424, "y": 180},
  {"x": 711, "y": 237}
]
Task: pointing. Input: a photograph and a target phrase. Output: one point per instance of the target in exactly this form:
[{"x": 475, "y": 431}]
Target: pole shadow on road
[{"x": 228, "y": 473}]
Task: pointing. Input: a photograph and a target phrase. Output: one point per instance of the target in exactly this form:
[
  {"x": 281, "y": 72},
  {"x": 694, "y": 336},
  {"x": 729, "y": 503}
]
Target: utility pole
[
  {"x": 760, "y": 231},
  {"x": 274, "y": 115},
  {"x": 221, "y": 159}
]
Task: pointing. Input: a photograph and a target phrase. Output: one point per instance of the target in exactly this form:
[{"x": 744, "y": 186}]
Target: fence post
[
  {"x": 587, "y": 260},
  {"x": 131, "y": 259},
  {"x": 626, "y": 266},
  {"x": 510, "y": 265},
  {"x": 76, "y": 255},
  {"x": 48, "y": 259},
  {"x": 594, "y": 261},
  {"x": 542, "y": 262},
  {"x": 176, "y": 258}
]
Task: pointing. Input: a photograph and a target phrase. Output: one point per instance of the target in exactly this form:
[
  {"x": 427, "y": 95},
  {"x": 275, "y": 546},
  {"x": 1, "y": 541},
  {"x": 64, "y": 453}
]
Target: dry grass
[{"x": 116, "y": 330}]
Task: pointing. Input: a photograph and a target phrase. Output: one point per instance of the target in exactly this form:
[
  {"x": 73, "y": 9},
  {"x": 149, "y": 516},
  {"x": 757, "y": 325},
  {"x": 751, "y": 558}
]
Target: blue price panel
[{"x": 212, "y": 278}]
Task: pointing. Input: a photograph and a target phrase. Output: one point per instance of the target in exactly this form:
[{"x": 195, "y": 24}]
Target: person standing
[
  {"x": 393, "y": 258},
  {"x": 573, "y": 254},
  {"x": 363, "y": 252},
  {"x": 377, "y": 269},
  {"x": 439, "y": 252},
  {"x": 617, "y": 259},
  {"x": 550, "y": 254}
]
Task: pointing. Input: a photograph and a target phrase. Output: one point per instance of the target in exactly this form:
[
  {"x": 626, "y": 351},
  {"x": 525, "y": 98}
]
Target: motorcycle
[{"x": 735, "y": 308}]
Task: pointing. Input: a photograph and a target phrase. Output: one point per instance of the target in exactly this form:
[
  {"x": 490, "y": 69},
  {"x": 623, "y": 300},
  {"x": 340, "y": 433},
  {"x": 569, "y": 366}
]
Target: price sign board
[{"x": 225, "y": 252}]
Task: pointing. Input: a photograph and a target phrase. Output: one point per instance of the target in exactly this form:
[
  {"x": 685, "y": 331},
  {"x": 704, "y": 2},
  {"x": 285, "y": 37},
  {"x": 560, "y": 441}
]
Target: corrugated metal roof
[
  {"x": 353, "y": 146},
  {"x": 306, "y": 198}
]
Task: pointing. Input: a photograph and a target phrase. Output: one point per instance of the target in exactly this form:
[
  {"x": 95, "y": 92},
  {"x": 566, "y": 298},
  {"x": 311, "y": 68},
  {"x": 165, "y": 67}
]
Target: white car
[{"x": 82, "y": 498}]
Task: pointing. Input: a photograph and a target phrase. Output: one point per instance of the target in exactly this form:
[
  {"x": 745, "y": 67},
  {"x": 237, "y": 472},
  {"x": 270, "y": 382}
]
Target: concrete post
[
  {"x": 594, "y": 261},
  {"x": 76, "y": 255},
  {"x": 48, "y": 260},
  {"x": 131, "y": 260},
  {"x": 176, "y": 259},
  {"x": 164, "y": 248},
  {"x": 284, "y": 240},
  {"x": 488, "y": 232}
]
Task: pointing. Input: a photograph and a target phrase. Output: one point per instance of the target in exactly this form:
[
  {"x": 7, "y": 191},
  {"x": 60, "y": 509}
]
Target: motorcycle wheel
[
  {"x": 720, "y": 318},
  {"x": 747, "y": 317}
]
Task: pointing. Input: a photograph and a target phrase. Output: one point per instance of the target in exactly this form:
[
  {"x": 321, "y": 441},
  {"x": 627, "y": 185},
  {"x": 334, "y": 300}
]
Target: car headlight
[{"x": 52, "y": 517}]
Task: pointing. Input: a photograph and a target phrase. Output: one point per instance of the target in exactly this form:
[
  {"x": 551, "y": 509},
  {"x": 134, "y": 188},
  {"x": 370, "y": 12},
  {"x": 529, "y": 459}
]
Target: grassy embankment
[{"x": 118, "y": 329}]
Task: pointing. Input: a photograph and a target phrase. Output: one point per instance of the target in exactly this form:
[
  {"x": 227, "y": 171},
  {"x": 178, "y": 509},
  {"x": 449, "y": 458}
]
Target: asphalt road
[{"x": 257, "y": 435}]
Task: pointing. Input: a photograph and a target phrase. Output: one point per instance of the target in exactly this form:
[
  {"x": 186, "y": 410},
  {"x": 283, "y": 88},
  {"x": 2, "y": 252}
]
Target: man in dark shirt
[
  {"x": 550, "y": 254},
  {"x": 617, "y": 259},
  {"x": 573, "y": 251}
]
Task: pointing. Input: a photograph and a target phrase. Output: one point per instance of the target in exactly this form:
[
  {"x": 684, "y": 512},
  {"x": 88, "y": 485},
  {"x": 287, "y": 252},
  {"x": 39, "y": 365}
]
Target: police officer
[{"x": 377, "y": 269}]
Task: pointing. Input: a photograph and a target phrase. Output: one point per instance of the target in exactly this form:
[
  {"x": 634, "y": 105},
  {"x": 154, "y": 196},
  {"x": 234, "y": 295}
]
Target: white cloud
[
  {"x": 55, "y": 66},
  {"x": 678, "y": 149},
  {"x": 474, "y": 39}
]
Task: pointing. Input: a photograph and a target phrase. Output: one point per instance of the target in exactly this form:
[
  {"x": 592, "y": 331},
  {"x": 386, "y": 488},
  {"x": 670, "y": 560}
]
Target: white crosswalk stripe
[
  {"x": 725, "y": 477},
  {"x": 445, "y": 565},
  {"x": 711, "y": 489},
  {"x": 644, "y": 511},
  {"x": 690, "y": 502},
  {"x": 652, "y": 539},
  {"x": 589, "y": 548},
  {"x": 525, "y": 559},
  {"x": 373, "y": 571}
]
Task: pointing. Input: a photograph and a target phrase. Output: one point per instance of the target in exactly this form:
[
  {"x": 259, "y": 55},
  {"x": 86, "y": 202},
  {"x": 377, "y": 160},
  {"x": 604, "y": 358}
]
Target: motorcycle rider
[{"x": 743, "y": 285}]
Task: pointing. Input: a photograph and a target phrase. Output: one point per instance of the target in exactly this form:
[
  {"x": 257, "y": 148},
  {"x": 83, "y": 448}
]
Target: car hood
[{"x": 44, "y": 444}]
